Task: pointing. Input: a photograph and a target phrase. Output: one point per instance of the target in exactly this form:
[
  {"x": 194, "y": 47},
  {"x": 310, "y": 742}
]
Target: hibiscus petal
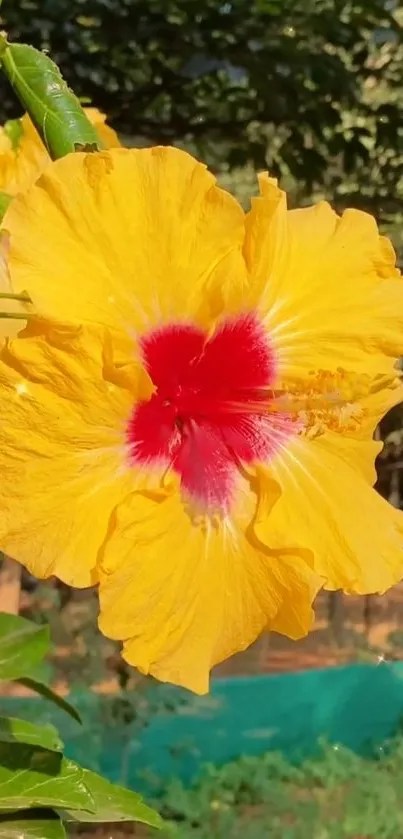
[
  {"x": 9, "y": 327},
  {"x": 328, "y": 286},
  {"x": 184, "y": 595},
  {"x": 62, "y": 459},
  {"x": 128, "y": 238},
  {"x": 241, "y": 345},
  {"x": 20, "y": 168},
  {"x": 318, "y": 496},
  {"x": 206, "y": 467}
]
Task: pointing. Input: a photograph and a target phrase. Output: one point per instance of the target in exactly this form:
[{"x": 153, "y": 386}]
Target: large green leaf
[
  {"x": 23, "y": 645},
  {"x": 53, "y": 107},
  {"x": 32, "y": 777},
  {"x": 20, "y": 731},
  {"x": 48, "y": 693},
  {"x": 32, "y": 825},
  {"x": 113, "y": 804}
]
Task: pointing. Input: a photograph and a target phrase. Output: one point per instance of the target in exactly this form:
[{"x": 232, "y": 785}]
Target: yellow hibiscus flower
[
  {"x": 188, "y": 423},
  {"x": 22, "y": 165}
]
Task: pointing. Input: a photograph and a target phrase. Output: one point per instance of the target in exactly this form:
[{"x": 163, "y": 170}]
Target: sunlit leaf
[
  {"x": 33, "y": 824},
  {"x": 20, "y": 731},
  {"x": 113, "y": 804},
  {"x": 32, "y": 777},
  {"x": 23, "y": 645},
  {"x": 53, "y": 107}
]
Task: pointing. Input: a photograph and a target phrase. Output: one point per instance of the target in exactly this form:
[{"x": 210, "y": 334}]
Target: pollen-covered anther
[
  {"x": 325, "y": 400},
  {"x": 342, "y": 418}
]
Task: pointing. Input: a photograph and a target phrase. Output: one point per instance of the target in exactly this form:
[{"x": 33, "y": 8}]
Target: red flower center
[{"x": 210, "y": 412}]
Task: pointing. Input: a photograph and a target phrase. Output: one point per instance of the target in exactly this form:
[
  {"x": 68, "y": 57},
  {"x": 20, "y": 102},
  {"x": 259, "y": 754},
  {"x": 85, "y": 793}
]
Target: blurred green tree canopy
[{"x": 311, "y": 88}]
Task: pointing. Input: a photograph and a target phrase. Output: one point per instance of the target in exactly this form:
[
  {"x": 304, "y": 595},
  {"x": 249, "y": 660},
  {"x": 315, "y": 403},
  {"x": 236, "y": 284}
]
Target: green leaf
[
  {"x": 48, "y": 693},
  {"x": 4, "y": 203},
  {"x": 34, "y": 824},
  {"x": 32, "y": 777},
  {"x": 53, "y": 107},
  {"x": 23, "y": 645},
  {"x": 113, "y": 804},
  {"x": 20, "y": 731}
]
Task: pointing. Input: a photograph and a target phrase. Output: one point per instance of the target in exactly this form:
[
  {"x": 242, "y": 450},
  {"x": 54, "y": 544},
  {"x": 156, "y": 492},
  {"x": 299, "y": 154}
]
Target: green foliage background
[
  {"x": 334, "y": 795},
  {"x": 313, "y": 89}
]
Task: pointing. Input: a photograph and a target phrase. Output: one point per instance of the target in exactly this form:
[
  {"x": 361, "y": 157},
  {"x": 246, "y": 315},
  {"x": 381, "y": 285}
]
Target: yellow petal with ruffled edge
[
  {"x": 127, "y": 238},
  {"x": 327, "y": 286},
  {"x": 317, "y": 495},
  {"x": 21, "y": 167},
  {"x": 384, "y": 393},
  {"x": 356, "y": 444},
  {"x": 106, "y": 134},
  {"x": 62, "y": 448},
  {"x": 183, "y": 596},
  {"x": 332, "y": 300},
  {"x": 181, "y": 591}
]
